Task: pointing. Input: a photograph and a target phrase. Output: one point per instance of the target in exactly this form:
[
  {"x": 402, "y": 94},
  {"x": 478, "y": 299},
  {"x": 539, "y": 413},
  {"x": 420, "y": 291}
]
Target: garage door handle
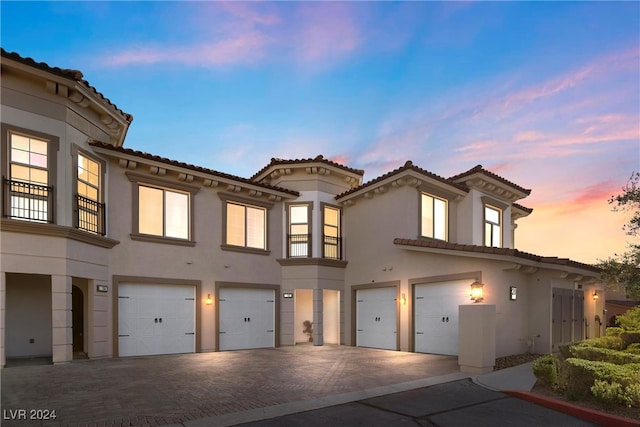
[
  {"x": 189, "y": 333},
  {"x": 270, "y": 330},
  {"x": 156, "y": 320},
  {"x": 123, "y": 335},
  {"x": 222, "y": 332},
  {"x": 360, "y": 330},
  {"x": 419, "y": 333}
]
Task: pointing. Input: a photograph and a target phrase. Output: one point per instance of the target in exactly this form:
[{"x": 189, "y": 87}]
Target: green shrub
[
  {"x": 630, "y": 321},
  {"x": 633, "y": 348},
  {"x": 579, "y": 375},
  {"x": 614, "y": 393},
  {"x": 612, "y": 342},
  {"x": 613, "y": 331},
  {"x": 604, "y": 355},
  {"x": 630, "y": 337},
  {"x": 609, "y": 393},
  {"x": 546, "y": 368}
]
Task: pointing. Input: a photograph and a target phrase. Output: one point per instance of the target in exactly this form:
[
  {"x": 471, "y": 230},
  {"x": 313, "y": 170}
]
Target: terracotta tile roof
[
  {"x": 524, "y": 208},
  {"x": 624, "y": 303},
  {"x": 440, "y": 244},
  {"x": 407, "y": 166},
  {"x": 480, "y": 169},
  {"x": 176, "y": 163},
  {"x": 74, "y": 75},
  {"x": 319, "y": 158}
]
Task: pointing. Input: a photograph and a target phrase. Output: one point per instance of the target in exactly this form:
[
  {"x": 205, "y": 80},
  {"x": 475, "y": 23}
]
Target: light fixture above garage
[
  {"x": 476, "y": 291},
  {"x": 208, "y": 301},
  {"x": 595, "y": 295}
]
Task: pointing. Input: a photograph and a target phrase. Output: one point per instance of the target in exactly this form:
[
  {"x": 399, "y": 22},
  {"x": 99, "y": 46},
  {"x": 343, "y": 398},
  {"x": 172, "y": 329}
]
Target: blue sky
[{"x": 546, "y": 94}]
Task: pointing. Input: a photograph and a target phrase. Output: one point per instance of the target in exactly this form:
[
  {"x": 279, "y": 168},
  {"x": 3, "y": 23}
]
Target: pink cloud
[
  {"x": 249, "y": 12},
  {"x": 243, "y": 48},
  {"x": 325, "y": 31}
]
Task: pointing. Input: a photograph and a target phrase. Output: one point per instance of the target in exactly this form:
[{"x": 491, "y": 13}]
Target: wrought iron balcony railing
[
  {"x": 332, "y": 247},
  {"x": 299, "y": 245},
  {"x": 90, "y": 215},
  {"x": 27, "y": 201}
]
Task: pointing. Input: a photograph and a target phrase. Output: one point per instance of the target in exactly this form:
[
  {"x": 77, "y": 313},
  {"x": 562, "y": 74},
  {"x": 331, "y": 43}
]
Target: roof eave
[
  {"x": 226, "y": 180},
  {"x": 582, "y": 274}
]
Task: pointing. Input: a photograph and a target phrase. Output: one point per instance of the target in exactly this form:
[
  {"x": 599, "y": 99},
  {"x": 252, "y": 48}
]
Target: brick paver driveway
[{"x": 176, "y": 388}]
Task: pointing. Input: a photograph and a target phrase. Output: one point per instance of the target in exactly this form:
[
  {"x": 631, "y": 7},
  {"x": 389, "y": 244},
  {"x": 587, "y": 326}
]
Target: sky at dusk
[{"x": 546, "y": 95}]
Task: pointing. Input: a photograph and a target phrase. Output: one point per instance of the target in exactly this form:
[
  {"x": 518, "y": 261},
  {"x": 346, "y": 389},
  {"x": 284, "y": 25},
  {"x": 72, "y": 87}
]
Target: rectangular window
[
  {"x": 30, "y": 195},
  {"x": 299, "y": 234},
  {"x": 434, "y": 217},
  {"x": 492, "y": 227},
  {"x": 89, "y": 209},
  {"x": 246, "y": 226},
  {"x": 332, "y": 241},
  {"x": 163, "y": 212}
]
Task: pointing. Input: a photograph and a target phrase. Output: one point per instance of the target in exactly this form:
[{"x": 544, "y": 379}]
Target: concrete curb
[{"x": 591, "y": 415}]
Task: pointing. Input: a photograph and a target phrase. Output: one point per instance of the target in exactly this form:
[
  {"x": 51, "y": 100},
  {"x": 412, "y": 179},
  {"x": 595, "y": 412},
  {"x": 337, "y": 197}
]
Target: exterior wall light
[
  {"x": 476, "y": 291},
  {"x": 403, "y": 298},
  {"x": 595, "y": 295},
  {"x": 208, "y": 301}
]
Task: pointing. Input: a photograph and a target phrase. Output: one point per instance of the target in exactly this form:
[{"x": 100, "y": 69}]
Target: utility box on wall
[{"x": 477, "y": 338}]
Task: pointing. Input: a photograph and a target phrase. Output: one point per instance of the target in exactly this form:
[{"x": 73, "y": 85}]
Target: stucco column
[
  {"x": 477, "y": 338},
  {"x": 318, "y": 338},
  {"x": 287, "y": 318},
  {"x": 3, "y": 299},
  {"x": 99, "y": 306},
  {"x": 61, "y": 319}
]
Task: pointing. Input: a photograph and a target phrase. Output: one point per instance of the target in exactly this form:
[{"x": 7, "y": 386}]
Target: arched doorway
[{"x": 77, "y": 310}]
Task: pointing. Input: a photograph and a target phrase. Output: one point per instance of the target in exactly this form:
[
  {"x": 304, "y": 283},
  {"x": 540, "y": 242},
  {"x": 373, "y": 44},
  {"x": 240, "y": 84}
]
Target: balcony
[
  {"x": 332, "y": 247},
  {"x": 299, "y": 245},
  {"x": 27, "y": 201},
  {"x": 90, "y": 215}
]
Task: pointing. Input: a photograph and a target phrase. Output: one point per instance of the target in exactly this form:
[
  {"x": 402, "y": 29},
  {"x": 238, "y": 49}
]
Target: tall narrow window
[
  {"x": 163, "y": 212},
  {"x": 492, "y": 227},
  {"x": 246, "y": 226},
  {"x": 332, "y": 241},
  {"x": 299, "y": 235},
  {"x": 434, "y": 217},
  {"x": 31, "y": 197},
  {"x": 89, "y": 209}
]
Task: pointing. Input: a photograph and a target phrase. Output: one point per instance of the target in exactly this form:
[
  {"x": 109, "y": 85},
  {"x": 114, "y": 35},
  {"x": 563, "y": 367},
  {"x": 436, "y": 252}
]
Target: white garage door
[
  {"x": 155, "y": 319},
  {"x": 376, "y": 318},
  {"x": 247, "y": 318},
  {"x": 436, "y": 316}
]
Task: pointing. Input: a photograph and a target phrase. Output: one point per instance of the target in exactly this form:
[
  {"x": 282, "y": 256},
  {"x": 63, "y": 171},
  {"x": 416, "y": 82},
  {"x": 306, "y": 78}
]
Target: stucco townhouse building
[{"x": 111, "y": 252}]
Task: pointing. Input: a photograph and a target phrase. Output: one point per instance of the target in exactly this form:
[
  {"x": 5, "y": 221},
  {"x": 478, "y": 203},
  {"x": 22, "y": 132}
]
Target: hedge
[
  {"x": 579, "y": 375},
  {"x": 604, "y": 355}
]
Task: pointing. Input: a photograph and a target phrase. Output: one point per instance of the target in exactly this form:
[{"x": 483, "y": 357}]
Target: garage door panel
[
  {"x": 376, "y": 318},
  {"x": 246, "y": 318},
  {"x": 153, "y": 319},
  {"x": 436, "y": 316}
]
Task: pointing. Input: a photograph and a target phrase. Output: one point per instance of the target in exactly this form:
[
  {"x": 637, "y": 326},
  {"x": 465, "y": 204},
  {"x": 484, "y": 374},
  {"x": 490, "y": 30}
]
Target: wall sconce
[
  {"x": 403, "y": 298},
  {"x": 476, "y": 292},
  {"x": 208, "y": 301},
  {"x": 595, "y": 295}
]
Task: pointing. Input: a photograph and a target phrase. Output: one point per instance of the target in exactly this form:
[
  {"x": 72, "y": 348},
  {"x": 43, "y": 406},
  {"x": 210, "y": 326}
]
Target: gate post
[{"x": 477, "y": 338}]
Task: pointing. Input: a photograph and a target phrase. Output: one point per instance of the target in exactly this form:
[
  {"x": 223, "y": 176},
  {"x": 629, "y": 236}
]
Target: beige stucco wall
[{"x": 205, "y": 262}]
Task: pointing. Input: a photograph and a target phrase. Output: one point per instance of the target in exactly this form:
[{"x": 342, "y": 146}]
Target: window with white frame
[
  {"x": 246, "y": 226},
  {"x": 163, "y": 212},
  {"x": 434, "y": 217},
  {"x": 299, "y": 230},
  {"x": 492, "y": 226},
  {"x": 332, "y": 241}
]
